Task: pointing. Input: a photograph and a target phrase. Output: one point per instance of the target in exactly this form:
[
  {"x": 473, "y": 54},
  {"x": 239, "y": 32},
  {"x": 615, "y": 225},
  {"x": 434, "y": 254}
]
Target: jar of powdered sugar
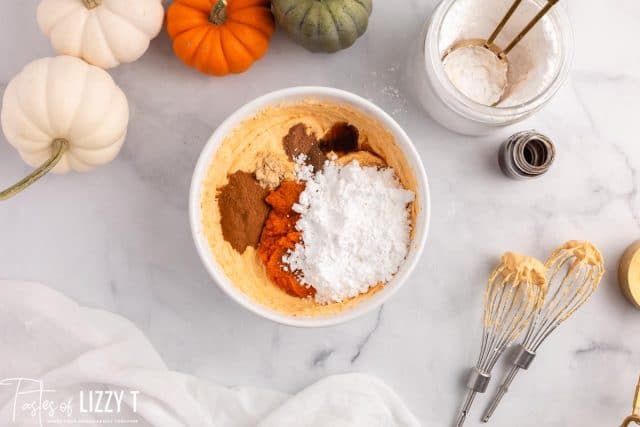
[{"x": 538, "y": 65}]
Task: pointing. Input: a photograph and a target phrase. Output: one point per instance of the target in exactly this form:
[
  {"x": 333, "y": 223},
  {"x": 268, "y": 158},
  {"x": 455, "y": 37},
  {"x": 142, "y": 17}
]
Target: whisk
[
  {"x": 514, "y": 293},
  {"x": 574, "y": 271}
]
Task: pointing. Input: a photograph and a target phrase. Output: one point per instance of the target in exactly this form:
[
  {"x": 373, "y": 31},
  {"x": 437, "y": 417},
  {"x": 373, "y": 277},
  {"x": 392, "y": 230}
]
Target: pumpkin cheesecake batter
[{"x": 246, "y": 148}]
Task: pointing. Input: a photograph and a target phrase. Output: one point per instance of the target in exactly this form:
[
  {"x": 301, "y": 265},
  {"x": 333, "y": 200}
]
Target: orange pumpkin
[{"x": 220, "y": 36}]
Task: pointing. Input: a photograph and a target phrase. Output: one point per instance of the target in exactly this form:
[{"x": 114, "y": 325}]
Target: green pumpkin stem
[
  {"x": 90, "y": 4},
  {"x": 59, "y": 147},
  {"x": 218, "y": 14}
]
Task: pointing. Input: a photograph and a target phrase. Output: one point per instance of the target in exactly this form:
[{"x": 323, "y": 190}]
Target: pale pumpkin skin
[
  {"x": 323, "y": 25},
  {"x": 64, "y": 97},
  {"x": 104, "y": 33}
]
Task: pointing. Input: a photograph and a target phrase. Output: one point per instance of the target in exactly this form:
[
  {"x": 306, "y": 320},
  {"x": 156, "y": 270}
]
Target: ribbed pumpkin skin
[
  {"x": 323, "y": 25},
  {"x": 65, "y": 97},
  {"x": 113, "y": 32},
  {"x": 230, "y": 47}
]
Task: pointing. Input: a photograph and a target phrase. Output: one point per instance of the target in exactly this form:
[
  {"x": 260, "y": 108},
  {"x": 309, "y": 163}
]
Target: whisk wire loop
[
  {"x": 511, "y": 300},
  {"x": 569, "y": 292},
  {"x": 574, "y": 271},
  {"x": 508, "y": 310}
]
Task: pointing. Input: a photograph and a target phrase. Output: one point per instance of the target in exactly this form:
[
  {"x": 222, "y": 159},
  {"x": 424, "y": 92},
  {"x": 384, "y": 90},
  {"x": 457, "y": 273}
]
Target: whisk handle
[
  {"x": 466, "y": 405},
  {"x": 522, "y": 360},
  {"x": 500, "y": 394},
  {"x": 477, "y": 383}
]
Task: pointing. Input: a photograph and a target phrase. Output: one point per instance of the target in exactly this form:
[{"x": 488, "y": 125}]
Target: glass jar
[{"x": 448, "y": 106}]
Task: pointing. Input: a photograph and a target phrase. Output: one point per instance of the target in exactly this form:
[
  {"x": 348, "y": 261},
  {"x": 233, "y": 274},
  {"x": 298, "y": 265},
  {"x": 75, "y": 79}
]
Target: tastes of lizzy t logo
[{"x": 32, "y": 399}]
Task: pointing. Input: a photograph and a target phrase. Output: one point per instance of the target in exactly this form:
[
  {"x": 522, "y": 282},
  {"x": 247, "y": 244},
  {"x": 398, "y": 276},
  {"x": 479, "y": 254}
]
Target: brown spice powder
[
  {"x": 243, "y": 210},
  {"x": 297, "y": 142},
  {"x": 342, "y": 139}
]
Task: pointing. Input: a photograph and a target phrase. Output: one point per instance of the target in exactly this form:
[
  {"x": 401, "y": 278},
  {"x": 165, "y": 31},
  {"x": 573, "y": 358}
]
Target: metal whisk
[
  {"x": 514, "y": 293},
  {"x": 574, "y": 271}
]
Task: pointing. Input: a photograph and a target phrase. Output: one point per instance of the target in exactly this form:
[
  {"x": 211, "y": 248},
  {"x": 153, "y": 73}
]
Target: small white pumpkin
[
  {"x": 105, "y": 33},
  {"x": 63, "y": 114}
]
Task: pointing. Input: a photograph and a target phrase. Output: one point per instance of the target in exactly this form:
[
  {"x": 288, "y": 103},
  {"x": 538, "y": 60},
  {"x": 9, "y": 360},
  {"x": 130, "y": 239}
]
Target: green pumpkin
[{"x": 323, "y": 25}]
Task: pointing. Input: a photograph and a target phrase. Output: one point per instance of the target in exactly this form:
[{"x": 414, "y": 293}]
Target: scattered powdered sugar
[
  {"x": 304, "y": 172},
  {"x": 355, "y": 229}
]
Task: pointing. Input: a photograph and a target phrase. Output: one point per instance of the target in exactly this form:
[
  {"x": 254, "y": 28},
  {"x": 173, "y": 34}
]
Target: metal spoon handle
[
  {"x": 502, "y": 23},
  {"x": 529, "y": 26}
]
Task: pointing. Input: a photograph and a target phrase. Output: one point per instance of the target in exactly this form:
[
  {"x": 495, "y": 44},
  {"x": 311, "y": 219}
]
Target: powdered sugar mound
[{"x": 355, "y": 229}]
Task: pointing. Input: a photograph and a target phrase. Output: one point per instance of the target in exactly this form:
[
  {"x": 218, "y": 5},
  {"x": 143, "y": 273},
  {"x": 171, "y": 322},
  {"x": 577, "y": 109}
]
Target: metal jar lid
[{"x": 526, "y": 155}]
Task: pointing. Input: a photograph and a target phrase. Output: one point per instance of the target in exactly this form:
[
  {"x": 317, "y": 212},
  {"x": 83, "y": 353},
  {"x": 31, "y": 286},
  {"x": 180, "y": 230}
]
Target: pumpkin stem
[
  {"x": 218, "y": 13},
  {"x": 59, "y": 146},
  {"x": 90, "y": 4}
]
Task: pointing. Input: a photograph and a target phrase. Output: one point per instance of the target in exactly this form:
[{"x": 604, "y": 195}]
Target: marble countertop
[{"x": 118, "y": 238}]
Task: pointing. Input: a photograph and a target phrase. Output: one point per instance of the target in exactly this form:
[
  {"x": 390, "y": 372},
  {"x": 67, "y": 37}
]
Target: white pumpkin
[
  {"x": 105, "y": 33},
  {"x": 64, "y": 99}
]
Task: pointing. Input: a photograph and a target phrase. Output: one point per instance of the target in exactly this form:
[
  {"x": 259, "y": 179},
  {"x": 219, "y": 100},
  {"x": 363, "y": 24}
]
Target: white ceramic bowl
[{"x": 291, "y": 96}]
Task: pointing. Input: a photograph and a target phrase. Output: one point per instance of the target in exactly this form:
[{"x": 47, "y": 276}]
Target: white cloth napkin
[{"x": 79, "y": 355}]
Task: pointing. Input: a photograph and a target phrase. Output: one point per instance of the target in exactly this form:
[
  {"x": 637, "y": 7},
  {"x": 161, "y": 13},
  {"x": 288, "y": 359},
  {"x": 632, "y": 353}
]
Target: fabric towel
[{"x": 64, "y": 364}]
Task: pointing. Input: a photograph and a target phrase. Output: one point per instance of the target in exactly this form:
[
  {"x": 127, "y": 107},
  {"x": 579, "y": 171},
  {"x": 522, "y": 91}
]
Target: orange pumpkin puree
[{"x": 279, "y": 235}]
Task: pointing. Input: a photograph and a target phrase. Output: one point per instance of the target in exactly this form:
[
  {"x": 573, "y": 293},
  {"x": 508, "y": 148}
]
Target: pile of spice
[
  {"x": 333, "y": 230},
  {"x": 355, "y": 230},
  {"x": 270, "y": 171},
  {"x": 243, "y": 210},
  {"x": 279, "y": 236}
]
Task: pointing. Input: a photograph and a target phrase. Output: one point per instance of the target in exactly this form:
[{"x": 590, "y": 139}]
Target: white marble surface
[{"x": 119, "y": 239}]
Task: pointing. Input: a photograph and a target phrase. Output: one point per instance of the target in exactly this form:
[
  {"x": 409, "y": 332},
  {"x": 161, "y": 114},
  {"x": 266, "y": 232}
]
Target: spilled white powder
[
  {"x": 355, "y": 228},
  {"x": 304, "y": 172}
]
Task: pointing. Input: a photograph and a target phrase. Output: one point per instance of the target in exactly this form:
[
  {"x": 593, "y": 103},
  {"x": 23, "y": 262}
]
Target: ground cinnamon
[
  {"x": 243, "y": 210},
  {"x": 279, "y": 235}
]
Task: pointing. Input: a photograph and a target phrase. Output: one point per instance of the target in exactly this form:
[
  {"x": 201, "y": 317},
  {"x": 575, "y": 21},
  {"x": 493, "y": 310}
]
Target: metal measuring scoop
[
  {"x": 635, "y": 416},
  {"x": 492, "y": 51}
]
